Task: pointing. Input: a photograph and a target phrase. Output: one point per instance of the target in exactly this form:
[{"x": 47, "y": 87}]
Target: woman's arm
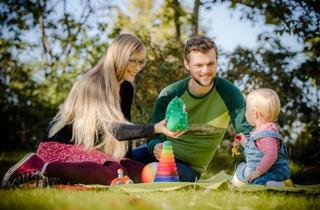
[{"x": 134, "y": 131}]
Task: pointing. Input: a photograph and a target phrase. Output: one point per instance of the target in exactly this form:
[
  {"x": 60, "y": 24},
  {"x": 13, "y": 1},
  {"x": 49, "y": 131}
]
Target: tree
[
  {"x": 270, "y": 66},
  {"x": 161, "y": 32},
  {"x": 67, "y": 39},
  {"x": 37, "y": 73}
]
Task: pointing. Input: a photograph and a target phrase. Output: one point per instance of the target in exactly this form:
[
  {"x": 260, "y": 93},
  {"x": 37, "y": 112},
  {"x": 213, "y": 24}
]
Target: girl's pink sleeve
[{"x": 269, "y": 147}]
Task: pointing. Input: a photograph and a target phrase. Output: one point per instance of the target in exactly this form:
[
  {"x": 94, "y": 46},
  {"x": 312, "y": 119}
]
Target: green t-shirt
[{"x": 208, "y": 117}]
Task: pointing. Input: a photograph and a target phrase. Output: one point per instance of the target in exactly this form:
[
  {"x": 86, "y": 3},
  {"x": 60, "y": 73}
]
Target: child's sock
[
  {"x": 274, "y": 183},
  {"x": 285, "y": 183}
]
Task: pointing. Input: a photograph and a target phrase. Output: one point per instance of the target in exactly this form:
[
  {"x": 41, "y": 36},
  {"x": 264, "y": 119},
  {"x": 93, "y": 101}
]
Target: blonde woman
[{"x": 86, "y": 140}]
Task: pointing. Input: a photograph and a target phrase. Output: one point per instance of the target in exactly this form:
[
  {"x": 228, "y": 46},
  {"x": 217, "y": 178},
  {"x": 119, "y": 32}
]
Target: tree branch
[
  {"x": 83, "y": 19},
  {"x": 44, "y": 38}
]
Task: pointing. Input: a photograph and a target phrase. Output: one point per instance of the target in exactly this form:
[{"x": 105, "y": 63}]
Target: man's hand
[
  {"x": 160, "y": 127},
  {"x": 157, "y": 150},
  {"x": 254, "y": 174}
]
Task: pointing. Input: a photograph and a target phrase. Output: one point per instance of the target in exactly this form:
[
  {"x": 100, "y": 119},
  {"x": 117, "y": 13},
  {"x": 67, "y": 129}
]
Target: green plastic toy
[{"x": 176, "y": 115}]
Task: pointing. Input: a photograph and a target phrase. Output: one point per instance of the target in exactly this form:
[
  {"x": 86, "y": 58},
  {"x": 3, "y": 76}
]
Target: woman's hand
[{"x": 160, "y": 127}]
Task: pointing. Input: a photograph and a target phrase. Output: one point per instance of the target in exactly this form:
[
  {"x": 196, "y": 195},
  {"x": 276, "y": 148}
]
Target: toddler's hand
[
  {"x": 254, "y": 174},
  {"x": 241, "y": 138}
]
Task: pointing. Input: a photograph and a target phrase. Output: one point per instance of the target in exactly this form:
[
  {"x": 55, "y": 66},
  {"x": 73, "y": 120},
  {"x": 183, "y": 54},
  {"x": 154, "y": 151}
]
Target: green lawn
[
  {"x": 53, "y": 198},
  {"x": 183, "y": 199}
]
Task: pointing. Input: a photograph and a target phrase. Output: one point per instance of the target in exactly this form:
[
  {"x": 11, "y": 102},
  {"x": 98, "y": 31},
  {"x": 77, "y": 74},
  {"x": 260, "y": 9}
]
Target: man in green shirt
[{"x": 211, "y": 102}]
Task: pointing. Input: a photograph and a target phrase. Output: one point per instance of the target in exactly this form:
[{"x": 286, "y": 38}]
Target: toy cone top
[{"x": 176, "y": 115}]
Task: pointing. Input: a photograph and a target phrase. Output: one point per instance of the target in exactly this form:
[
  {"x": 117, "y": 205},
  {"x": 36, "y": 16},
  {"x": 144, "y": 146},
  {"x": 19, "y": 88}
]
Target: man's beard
[{"x": 199, "y": 83}]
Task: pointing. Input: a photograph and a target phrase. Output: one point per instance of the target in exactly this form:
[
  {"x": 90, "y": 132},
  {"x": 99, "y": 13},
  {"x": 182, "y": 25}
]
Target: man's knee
[
  {"x": 186, "y": 173},
  {"x": 142, "y": 154}
]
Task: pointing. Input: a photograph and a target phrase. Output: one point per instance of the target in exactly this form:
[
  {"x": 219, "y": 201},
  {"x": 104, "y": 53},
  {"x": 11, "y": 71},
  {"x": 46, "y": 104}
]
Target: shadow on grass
[
  {"x": 4, "y": 166},
  {"x": 9, "y": 158},
  {"x": 306, "y": 175}
]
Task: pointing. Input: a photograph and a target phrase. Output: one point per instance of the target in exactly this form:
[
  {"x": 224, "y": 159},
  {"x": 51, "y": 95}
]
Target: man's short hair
[{"x": 199, "y": 43}]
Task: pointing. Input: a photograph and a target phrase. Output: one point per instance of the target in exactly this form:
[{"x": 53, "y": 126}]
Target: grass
[
  {"x": 53, "y": 198},
  {"x": 184, "y": 199}
]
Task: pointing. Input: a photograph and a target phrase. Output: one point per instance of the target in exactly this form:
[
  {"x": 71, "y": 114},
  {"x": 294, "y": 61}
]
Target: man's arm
[
  {"x": 236, "y": 105},
  {"x": 159, "y": 112},
  {"x": 158, "y": 115},
  {"x": 238, "y": 119}
]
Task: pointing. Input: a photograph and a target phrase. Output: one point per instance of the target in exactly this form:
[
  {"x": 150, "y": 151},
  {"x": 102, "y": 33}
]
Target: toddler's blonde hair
[{"x": 266, "y": 101}]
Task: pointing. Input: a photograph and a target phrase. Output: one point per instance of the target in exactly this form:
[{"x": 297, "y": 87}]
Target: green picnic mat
[{"x": 220, "y": 181}]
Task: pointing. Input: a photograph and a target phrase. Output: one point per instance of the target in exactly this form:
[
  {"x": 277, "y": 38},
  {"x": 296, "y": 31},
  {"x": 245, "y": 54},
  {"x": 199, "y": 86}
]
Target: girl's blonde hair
[
  {"x": 266, "y": 101},
  {"x": 93, "y": 104}
]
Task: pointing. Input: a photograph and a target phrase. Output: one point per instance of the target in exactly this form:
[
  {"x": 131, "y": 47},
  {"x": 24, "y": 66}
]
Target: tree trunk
[
  {"x": 177, "y": 7},
  {"x": 195, "y": 17}
]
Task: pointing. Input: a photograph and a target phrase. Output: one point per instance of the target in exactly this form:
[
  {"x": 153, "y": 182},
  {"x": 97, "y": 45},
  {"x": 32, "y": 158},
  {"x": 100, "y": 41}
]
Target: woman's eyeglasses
[{"x": 135, "y": 62}]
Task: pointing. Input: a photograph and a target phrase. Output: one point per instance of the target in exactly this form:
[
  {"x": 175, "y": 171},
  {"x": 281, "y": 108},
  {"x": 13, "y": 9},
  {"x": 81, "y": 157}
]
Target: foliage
[
  {"x": 251, "y": 69},
  {"x": 46, "y": 45},
  {"x": 298, "y": 17},
  {"x": 294, "y": 75},
  {"x": 33, "y": 85}
]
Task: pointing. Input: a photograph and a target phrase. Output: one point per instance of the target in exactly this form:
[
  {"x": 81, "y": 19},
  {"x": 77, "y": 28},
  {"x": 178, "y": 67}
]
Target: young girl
[
  {"x": 85, "y": 142},
  {"x": 264, "y": 149}
]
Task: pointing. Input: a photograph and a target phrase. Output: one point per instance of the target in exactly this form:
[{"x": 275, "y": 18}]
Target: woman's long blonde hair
[{"x": 93, "y": 104}]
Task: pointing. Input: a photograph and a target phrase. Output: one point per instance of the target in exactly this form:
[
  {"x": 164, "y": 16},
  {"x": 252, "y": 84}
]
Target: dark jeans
[
  {"x": 186, "y": 173},
  {"x": 274, "y": 174}
]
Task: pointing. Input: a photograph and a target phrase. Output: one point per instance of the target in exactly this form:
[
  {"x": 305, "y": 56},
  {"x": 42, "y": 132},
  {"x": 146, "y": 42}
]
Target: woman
[{"x": 85, "y": 140}]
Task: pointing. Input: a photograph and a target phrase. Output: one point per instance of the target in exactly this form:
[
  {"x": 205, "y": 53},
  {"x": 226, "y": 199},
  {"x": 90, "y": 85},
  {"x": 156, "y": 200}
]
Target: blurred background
[{"x": 45, "y": 46}]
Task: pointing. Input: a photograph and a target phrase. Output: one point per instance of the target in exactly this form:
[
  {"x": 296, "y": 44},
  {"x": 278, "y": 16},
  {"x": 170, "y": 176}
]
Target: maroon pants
[
  {"x": 73, "y": 164},
  {"x": 94, "y": 173}
]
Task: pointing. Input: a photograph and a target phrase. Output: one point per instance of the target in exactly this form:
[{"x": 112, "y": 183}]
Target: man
[{"x": 211, "y": 103}]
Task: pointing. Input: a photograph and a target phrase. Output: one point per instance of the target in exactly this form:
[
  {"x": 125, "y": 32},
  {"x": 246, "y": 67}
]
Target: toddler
[{"x": 264, "y": 149}]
